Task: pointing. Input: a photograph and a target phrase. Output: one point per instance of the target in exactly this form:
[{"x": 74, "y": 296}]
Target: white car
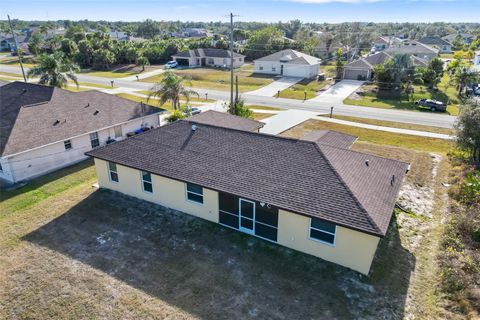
[{"x": 171, "y": 64}]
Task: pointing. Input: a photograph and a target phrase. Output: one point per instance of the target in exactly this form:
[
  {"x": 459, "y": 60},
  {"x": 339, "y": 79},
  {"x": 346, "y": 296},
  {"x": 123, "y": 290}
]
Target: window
[
  {"x": 260, "y": 68},
  {"x": 210, "y": 61},
  {"x": 274, "y": 69},
  {"x": 118, "y": 131},
  {"x": 67, "y": 144},
  {"x": 322, "y": 231},
  {"x": 228, "y": 207},
  {"x": 94, "y": 139},
  {"x": 112, "y": 171},
  {"x": 240, "y": 59},
  {"x": 147, "y": 182},
  {"x": 194, "y": 193}
]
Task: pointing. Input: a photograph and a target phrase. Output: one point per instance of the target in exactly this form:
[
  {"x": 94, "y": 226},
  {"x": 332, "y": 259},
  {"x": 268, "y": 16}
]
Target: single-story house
[
  {"x": 226, "y": 120},
  {"x": 210, "y": 57},
  {"x": 43, "y": 129},
  {"x": 414, "y": 48},
  {"x": 290, "y": 63},
  {"x": 466, "y": 37},
  {"x": 442, "y": 45},
  {"x": 362, "y": 69},
  {"x": 314, "y": 195},
  {"x": 385, "y": 42}
]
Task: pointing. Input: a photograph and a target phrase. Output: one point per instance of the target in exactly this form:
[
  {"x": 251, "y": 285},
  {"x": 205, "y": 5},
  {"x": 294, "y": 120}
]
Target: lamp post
[
  {"x": 137, "y": 77},
  {"x": 206, "y": 96},
  {"x": 331, "y": 112},
  {"x": 111, "y": 82},
  {"x": 304, "y": 95}
]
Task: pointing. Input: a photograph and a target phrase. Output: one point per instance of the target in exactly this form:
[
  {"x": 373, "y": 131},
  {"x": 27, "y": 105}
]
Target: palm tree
[
  {"x": 463, "y": 76},
  {"x": 171, "y": 88},
  {"x": 54, "y": 70}
]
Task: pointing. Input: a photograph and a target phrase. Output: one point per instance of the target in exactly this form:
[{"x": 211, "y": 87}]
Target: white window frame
[
  {"x": 110, "y": 172},
  {"x": 146, "y": 181},
  {"x": 198, "y": 194},
  {"x": 94, "y": 134},
  {"x": 320, "y": 230},
  {"x": 67, "y": 142}
]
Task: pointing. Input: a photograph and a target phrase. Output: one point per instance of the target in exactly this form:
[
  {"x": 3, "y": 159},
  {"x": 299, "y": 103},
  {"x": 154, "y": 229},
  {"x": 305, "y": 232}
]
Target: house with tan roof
[
  {"x": 362, "y": 69},
  {"x": 43, "y": 128},
  {"x": 313, "y": 195},
  {"x": 289, "y": 63}
]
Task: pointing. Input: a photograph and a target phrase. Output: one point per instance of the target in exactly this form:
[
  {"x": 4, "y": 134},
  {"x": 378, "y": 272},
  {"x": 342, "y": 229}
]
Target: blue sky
[{"x": 248, "y": 10}]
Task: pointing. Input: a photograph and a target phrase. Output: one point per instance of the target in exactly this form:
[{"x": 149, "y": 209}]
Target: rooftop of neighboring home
[
  {"x": 207, "y": 52},
  {"x": 305, "y": 176},
  {"x": 226, "y": 120},
  {"x": 434, "y": 41},
  {"x": 382, "y": 57},
  {"x": 33, "y": 115},
  {"x": 291, "y": 56},
  {"x": 412, "y": 47},
  {"x": 464, "y": 36},
  {"x": 388, "y": 40}
]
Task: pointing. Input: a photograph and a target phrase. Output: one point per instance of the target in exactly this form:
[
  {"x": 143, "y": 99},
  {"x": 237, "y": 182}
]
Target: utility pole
[
  {"x": 232, "y": 106},
  {"x": 16, "y": 47}
]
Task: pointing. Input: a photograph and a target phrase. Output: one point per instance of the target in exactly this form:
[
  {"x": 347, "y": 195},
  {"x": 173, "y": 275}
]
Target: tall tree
[
  {"x": 54, "y": 70},
  {"x": 468, "y": 133},
  {"x": 339, "y": 63},
  {"x": 463, "y": 76},
  {"x": 171, "y": 88}
]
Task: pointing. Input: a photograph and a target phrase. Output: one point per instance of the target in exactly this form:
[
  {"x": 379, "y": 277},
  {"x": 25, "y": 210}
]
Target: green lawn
[
  {"x": 297, "y": 91},
  {"x": 110, "y": 74},
  {"x": 388, "y": 101},
  {"x": 192, "y": 99},
  {"x": 216, "y": 79},
  {"x": 9, "y": 74},
  {"x": 374, "y": 136},
  {"x": 394, "y": 124},
  {"x": 13, "y": 61},
  {"x": 167, "y": 106},
  {"x": 255, "y": 106}
]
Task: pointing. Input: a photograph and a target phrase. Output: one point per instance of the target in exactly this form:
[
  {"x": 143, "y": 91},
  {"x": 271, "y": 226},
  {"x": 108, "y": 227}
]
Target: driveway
[
  {"x": 285, "y": 120},
  {"x": 339, "y": 91},
  {"x": 273, "y": 88}
]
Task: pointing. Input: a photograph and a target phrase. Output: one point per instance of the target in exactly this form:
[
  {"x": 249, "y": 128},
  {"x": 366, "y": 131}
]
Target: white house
[
  {"x": 290, "y": 63},
  {"x": 476, "y": 61},
  {"x": 209, "y": 57},
  {"x": 43, "y": 129}
]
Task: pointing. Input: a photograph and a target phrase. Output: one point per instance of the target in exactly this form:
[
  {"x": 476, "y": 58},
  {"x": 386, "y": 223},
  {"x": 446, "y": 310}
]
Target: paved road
[{"x": 425, "y": 118}]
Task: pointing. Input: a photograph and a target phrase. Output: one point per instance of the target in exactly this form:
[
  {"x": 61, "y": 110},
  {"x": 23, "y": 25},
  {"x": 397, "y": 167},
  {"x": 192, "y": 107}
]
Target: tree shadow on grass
[
  {"x": 43, "y": 180},
  {"x": 205, "y": 269}
]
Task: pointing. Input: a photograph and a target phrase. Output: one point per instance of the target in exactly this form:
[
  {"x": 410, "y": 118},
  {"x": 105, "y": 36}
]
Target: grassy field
[
  {"x": 260, "y": 116},
  {"x": 371, "y": 99},
  {"x": 373, "y": 136},
  {"x": 297, "y": 91},
  {"x": 8, "y": 74},
  {"x": 167, "y": 106},
  {"x": 255, "y": 106},
  {"x": 192, "y": 99},
  {"x": 109, "y": 74},
  {"x": 216, "y": 79},
  {"x": 68, "y": 250},
  {"x": 394, "y": 124},
  {"x": 13, "y": 61}
]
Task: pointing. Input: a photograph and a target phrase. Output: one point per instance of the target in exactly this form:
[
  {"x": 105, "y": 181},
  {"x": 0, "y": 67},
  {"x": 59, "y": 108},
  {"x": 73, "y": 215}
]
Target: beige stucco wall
[
  {"x": 352, "y": 249},
  {"x": 166, "y": 192}
]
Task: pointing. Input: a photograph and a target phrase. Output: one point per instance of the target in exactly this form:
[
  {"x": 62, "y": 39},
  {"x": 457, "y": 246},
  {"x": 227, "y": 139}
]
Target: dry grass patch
[
  {"x": 217, "y": 79},
  {"x": 374, "y": 136}
]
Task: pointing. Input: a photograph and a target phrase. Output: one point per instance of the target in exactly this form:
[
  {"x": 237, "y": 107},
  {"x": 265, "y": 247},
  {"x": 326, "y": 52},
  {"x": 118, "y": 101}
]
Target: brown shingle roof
[
  {"x": 226, "y": 120},
  {"x": 29, "y": 111},
  {"x": 300, "y": 176},
  {"x": 331, "y": 138}
]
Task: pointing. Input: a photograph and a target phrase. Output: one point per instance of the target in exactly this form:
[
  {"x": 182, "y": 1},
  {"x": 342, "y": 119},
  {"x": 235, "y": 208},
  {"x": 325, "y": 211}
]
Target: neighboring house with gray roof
[
  {"x": 385, "y": 42},
  {"x": 314, "y": 195},
  {"x": 208, "y": 57},
  {"x": 362, "y": 69},
  {"x": 414, "y": 48},
  {"x": 442, "y": 45},
  {"x": 44, "y": 128},
  {"x": 465, "y": 37},
  {"x": 289, "y": 63}
]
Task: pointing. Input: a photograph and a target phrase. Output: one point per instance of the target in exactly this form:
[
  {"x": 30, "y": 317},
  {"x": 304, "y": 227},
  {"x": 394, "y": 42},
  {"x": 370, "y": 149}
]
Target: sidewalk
[{"x": 388, "y": 129}]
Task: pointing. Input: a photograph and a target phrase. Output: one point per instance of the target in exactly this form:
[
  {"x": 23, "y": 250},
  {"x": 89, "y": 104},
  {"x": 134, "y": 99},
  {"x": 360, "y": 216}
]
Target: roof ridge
[{"x": 337, "y": 174}]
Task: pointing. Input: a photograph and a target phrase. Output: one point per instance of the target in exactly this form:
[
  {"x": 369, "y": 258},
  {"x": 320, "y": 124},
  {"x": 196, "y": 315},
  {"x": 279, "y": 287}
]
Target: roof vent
[
  {"x": 96, "y": 112},
  {"x": 24, "y": 90},
  {"x": 392, "y": 180},
  {"x": 88, "y": 105},
  {"x": 367, "y": 163},
  {"x": 194, "y": 127},
  {"x": 56, "y": 122}
]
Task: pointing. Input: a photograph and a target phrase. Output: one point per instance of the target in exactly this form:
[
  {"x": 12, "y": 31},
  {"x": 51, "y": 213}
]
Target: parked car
[
  {"x": 433, "y": 105},
  {"x": 171, "y": 64},
  {"x": 188, "y": 111}
]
